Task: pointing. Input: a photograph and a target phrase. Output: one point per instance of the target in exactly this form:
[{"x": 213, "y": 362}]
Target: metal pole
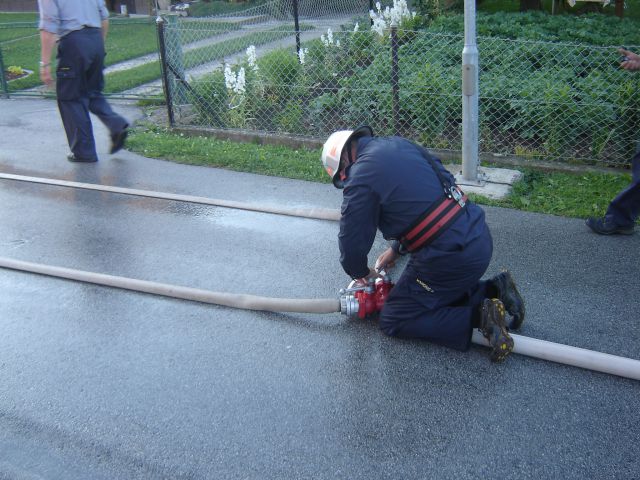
[
  {"x": 370, "y": 8},
  {"x": 166, "y": 86},
  {"x": 3, "y": 78},
  {"x": 470, "y": 95},
  {"x": 395, "y": 89},
  {"x": 297, "y": 25}
]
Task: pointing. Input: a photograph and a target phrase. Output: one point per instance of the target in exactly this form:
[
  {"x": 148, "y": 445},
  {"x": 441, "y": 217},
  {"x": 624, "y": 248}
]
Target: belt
[{"x": 434, "y": 221}]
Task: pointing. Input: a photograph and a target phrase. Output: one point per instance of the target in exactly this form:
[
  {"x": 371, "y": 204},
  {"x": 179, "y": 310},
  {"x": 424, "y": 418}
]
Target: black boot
[
  {"x": 503, "y": 287},
  {"x": 493, "y": 327}
]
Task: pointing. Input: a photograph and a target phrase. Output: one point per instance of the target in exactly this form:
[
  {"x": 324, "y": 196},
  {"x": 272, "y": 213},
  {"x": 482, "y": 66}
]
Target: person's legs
[
  {"x": 623, "y": 210},
  {"x": 98, "y": 105},
  {"x": 71, "y": 89},
  {"x": 439, "y": 295}
]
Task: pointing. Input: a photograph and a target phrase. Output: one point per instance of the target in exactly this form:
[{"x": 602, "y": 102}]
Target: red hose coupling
[{"x": 366, "y": 300}]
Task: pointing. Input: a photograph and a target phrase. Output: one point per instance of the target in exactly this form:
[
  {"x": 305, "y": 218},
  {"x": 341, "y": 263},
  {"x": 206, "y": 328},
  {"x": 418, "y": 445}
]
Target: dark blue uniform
[
  {"x": 79, "y": 86},
  {"x": 388, "y": 187},
  {"x": 624, "y": 210}
]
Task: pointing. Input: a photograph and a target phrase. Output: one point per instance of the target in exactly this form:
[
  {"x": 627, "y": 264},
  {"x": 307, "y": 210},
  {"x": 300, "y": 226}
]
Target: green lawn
[
  {"x": 218, "y": 7},
  {"x": 128, "y": 38},
  {"x": 566, "y": 194}
]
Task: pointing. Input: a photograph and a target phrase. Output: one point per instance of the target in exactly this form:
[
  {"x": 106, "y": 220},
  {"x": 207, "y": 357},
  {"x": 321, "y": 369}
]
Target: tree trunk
[
  {"x": 530, "y": 5},
  {"x": 620, "y": 8}
]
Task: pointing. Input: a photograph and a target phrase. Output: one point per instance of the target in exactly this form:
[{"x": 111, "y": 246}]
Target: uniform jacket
[{"x": 387, "y": 188}]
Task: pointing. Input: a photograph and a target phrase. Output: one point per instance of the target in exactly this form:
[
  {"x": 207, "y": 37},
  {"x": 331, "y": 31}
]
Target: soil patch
[{"x": 14, "y": 76}]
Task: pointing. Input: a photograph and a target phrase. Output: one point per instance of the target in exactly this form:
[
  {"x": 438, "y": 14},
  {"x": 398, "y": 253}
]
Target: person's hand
[
  {"x": 45, "y": 75},
  {"x": 632, "y": 62},
  {"x": 365, "y": 280},
  {"x": 387, "y": 259}
]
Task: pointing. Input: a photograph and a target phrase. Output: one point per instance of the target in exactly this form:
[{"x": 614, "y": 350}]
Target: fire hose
[{"x": 362, "y": 301}]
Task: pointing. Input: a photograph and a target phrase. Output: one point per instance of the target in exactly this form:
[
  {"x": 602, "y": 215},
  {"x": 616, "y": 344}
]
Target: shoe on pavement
[
  {"x": 507, "y": 292},
  {"x": 604, "y": 227},
  {"x": 493, "y": 327},
  {"x": 73, "y": 158},
  {"x": 118, "y": 139}
]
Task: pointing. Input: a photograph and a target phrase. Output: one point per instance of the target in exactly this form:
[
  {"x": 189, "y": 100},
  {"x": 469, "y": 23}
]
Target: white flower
[
  {"x": 379, "y": 26},
  {"x": 229, "y": 77},
  {"x": 395, "y": 15},
  {"x": 327, "y": 40},
  {"x": 240, "y": 82},
  {"x": 572, "y": 3},
  {"x": 252, "y": 58},
  {"x": 355, "y": 29},
  {"x": 233, "y": 82},
  {"x": 302, "y": 54}
]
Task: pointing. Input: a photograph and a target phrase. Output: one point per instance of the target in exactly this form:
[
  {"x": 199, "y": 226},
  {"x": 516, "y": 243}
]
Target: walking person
[
  {"x": 80, "y": 28},
  {"x": 398, "y": 187},
  {"x": 623, "y": 211}
]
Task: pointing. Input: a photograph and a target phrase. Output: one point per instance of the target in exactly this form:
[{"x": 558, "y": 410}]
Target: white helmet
[{"x": 333, "y": 147}]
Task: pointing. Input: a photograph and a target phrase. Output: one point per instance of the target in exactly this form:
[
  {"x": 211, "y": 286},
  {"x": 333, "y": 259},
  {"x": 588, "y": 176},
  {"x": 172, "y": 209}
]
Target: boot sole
[{"x": 503, "y": 348}]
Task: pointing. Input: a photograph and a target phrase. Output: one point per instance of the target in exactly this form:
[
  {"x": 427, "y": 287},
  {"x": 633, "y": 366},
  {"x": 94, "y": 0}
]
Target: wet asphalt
[{"x": 103, "y": 383}]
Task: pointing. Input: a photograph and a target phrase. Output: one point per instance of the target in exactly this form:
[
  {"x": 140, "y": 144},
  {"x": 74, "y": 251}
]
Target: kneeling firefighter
[{"x": 398, "y": 187}]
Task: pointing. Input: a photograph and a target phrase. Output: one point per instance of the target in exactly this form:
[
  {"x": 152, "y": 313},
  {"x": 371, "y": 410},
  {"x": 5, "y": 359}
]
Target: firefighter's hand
[
  {"x": 633, "y": 62},
  {"x": 365, "y": 280},
  {"x": 387, "y": 260}
]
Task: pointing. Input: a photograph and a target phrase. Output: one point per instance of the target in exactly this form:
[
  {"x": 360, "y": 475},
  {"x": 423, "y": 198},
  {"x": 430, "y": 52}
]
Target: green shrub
[
  {"x": 280, "y": 70},
  {"x": 209, "y": 97}
]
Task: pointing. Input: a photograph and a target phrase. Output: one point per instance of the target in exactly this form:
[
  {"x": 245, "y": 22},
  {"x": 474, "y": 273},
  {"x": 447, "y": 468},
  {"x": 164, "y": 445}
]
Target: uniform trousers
[
  {"x": 79, "y": 85},
  {"x": 624, "y": 209},
  {"x": 439, "y": 292}
]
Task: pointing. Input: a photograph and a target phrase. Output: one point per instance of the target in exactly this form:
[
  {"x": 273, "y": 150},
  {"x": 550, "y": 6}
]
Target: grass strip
[
  {"x": 127, "y": 79},
  {"x": 270, "y": 160},
  {"x": 558, "y": 193}
]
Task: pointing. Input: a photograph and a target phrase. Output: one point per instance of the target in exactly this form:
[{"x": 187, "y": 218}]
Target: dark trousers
[
  {"x": 624, "y": 209},
  {"x": 438, "y": 293},
  {"x": 79, "y": 84}
]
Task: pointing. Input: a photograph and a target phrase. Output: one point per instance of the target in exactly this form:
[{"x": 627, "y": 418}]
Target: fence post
[
  {"x": 163, "y": 65},
  {"x": 395, "y": 88},
  {"x": 297, "y": 25},
  {"x": 3, "y": 79},
  {"x": 175, "y": 60},
  {"x": 470, "y": 95},
  {"x": 370, "y": 8}
]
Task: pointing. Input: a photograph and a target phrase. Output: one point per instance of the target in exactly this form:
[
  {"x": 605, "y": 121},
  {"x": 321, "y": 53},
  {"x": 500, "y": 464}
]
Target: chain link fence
[
  {"x": 131, "y": 45},
  {"x": 550, "y": 101}
]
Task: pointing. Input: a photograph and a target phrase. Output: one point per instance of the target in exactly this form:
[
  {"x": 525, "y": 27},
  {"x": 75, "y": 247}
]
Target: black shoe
[
  {"x": 493, "y": 327},
  {"x": 118, "y": 139},
  {"x": 604, "y": 227},
  {"x": 507, "y": 292},
  {"x": 73, "y": 158}
]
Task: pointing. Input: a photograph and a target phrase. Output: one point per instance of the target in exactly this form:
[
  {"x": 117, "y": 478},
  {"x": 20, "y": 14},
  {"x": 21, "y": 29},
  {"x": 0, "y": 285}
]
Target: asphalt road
[{"x": 104, "y": 383}]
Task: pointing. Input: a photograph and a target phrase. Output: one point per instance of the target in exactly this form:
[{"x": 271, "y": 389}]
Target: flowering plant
[{"x": 397, "y": 15}]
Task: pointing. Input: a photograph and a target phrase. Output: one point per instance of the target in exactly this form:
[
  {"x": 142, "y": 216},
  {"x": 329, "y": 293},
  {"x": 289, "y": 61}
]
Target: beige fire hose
[
  {"x": 315, "y": 213},
  {"x": 555, "y": 352},
  {"x": 247, "y": 302}
]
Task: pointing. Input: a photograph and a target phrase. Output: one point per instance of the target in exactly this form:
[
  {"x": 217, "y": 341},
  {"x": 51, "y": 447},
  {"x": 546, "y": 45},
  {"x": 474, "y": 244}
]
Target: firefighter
[{"x": 398, "y": 187}]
